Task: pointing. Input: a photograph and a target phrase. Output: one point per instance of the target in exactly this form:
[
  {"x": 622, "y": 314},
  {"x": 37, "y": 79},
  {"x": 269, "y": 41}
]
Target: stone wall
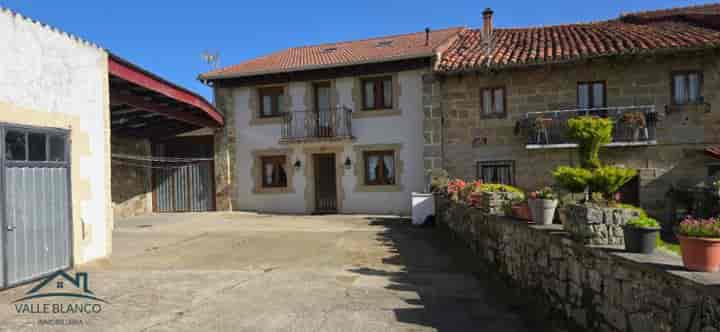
[
  {"x": 225, "y": 152},
  {"x": 677, "y": 158},
  {"x": 593, "y": 288},
  {"x": 131, "y": 186}
]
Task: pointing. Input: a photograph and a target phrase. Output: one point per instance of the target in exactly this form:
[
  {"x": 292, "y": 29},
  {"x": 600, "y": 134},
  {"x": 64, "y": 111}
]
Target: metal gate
[
  {"x": 36, "y": 218},
  {"x": 187, "y": 188}
]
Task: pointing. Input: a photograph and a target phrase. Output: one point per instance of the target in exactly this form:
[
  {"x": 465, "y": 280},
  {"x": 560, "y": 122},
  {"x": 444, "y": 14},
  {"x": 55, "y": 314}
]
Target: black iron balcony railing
[
  {"x": 632, "y": 125},
  {"x": 307, "y": 125}
]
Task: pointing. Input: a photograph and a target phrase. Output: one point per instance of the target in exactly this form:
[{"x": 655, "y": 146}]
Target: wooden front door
[
  {"x": 325, "y": 183},
  {"x": 323, "y": 109}
]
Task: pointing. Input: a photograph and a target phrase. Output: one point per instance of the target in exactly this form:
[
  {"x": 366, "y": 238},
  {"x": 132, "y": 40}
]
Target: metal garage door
[
  {"x": 36, "y": 224},
  {"x": 187, "y": 188}
]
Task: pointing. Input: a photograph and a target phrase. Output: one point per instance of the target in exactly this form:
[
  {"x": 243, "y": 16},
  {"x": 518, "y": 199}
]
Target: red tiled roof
[
  {"x": 643, "y": 32},
  {"x": 371, "y": 50}
]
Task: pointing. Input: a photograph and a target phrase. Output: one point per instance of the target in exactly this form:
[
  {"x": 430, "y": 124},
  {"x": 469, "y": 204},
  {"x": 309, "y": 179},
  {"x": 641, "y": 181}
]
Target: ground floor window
[
  {"x": 273, "y": 171},
  {"x": 379, "y": 167},
  {"x": 502, "y": 171}
]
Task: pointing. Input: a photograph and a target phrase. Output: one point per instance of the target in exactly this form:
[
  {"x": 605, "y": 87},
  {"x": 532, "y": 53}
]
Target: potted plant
[
  {"x": 700, "y": 244},
  {"x": 635, "y": 121},
  {"x": 521, "y": 210},
  {"x": 542, "y": 206},
  {"x": 641, "y": 235}
]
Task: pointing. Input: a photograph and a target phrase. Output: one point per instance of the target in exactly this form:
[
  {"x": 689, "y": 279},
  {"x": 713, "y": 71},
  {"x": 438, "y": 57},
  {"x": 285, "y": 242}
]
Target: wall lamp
[
  {"x": 297, "y": 164},
  {"x": 348, "y": 163}
]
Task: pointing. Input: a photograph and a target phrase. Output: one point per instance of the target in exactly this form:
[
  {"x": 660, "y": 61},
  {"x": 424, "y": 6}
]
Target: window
[
  {"x": 502, "y": 172},
  {"x": 379, "y": 167},
  {"x": 377, "y": 93},
  {"x": 591, "y": 95},
  {"x": 686, "y": 87},
  {"x": 271, "y": 101},
  {"x": 57, "y": 148},
  {"x": 36, "y": 147},
  {"x": 15, "y": 143},
  {"x": 273, "y": 172},
  {"x": 493, "y": 102}
]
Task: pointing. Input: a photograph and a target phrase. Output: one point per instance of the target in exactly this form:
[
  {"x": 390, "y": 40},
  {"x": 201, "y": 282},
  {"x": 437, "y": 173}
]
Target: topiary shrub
[
  {"x": 608, "y": 180},
  {"x": 591, "y": 133},
  {"x": 572, "y": 179}
]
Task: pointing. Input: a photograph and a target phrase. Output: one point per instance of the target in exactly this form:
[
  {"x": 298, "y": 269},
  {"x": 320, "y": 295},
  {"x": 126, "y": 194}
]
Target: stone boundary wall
[{"x": 593, "y": 288}]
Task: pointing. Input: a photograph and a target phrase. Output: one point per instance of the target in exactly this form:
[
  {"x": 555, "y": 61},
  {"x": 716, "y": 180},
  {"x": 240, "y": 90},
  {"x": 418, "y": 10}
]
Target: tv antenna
[{"x": 211, "y": 58}]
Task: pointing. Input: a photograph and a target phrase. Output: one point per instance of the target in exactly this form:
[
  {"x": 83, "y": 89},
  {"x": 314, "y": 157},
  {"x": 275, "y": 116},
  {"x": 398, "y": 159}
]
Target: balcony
[
  {"x": 323, "y": 125},
  {"x": 633, "y": 126}
]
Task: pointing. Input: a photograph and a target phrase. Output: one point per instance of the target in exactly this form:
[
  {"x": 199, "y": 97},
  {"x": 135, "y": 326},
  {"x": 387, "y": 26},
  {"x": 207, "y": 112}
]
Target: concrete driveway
[{"x": 250, "y": 272}]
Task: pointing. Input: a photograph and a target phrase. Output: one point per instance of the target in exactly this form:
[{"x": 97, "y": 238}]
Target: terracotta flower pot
[
  {"x": 476, "y": 198},
  {"x": 522, "y": 211},
  {"x": 700, "y": 254}
]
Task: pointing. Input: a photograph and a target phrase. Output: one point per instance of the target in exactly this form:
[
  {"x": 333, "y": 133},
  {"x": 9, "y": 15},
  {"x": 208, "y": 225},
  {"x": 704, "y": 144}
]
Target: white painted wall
[
  {"x": 405, "y": 129},
  {"x": 45, "y": 70}
]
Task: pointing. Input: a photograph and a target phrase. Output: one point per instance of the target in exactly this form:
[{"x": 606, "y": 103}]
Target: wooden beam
[
  {"x": 139, "y": 120},
  {"x": 170, "y": 112},
  {"x": 156, "y": 131}
]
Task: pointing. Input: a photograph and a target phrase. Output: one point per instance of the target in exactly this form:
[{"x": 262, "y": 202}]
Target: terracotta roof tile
[
  {"x": 378, "y": 49},
  {"x": 643, "y": 32}
]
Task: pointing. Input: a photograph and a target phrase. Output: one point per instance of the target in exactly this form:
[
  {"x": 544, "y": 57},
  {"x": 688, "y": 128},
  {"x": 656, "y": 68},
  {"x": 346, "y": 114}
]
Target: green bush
[
  {"x": 643, "y": 222},
  {"x": 608, "y": 180},
  {"x": 572, "y": 179},
  {"x": 639, "y": 210},
  {"x": 439, "y": 179},
  {"x": 591, "y": 133},
  {"x": 496, "y": 187}
]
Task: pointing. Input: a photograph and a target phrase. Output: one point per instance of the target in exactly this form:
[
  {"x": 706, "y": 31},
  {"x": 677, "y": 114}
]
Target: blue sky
[{"x": 168, "y": 37}]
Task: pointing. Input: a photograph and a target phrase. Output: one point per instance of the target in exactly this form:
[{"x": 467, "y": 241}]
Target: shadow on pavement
[{"x": 454, "y": 291}]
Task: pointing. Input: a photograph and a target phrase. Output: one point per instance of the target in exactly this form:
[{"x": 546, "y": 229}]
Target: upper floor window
[
  {"x": 686, "y": 87},
  {"x": 492, "y": 102},
  {"x": 377, "y": 93},
  {"x": 379, "y": 167},
  {"x": 271, "y": 101},
  {"x": 591, "y": 95}
]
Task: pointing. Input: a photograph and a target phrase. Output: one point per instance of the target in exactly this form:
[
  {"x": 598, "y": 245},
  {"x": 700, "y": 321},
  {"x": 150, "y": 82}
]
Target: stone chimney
[{"x": 487, "y": 29}]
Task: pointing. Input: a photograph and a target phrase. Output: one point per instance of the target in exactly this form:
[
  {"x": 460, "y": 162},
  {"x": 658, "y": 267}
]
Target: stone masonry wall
[
  {"x": 682, "y": 135},
  {"x": 594, "y": 288},
  {"x": 131, "y": 187},
  {"x": 225, "y": 140}
]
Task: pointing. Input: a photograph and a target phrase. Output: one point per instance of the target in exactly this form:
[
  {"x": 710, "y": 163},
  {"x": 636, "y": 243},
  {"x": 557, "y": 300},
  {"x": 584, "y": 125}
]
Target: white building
[
  {"x": 326, "y": 128},
  {"x": 62, "y": 99}
]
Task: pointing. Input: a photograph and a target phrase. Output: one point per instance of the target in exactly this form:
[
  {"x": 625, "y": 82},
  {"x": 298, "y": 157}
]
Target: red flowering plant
[
  {"x": 472, "y": 188},
  {"x": 454, "y": 189},
  {"x": 693, "y": 227}
]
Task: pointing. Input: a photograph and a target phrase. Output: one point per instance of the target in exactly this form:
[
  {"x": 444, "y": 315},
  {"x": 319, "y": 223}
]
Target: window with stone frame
[
  {"x": 274, "y": 174},
  {"x": 591, "y": 95},
  {"x": 377, "y": 93},
  {"x": 492, "y": 102},
  {"x": 271, "y": 101},
  {"x": 686, "y": 87},
  {"x": 379, "y": 167},
  {"x": 496, "y": 171}
]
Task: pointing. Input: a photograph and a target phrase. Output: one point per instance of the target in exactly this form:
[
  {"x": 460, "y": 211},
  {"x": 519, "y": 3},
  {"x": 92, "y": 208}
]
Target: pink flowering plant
[
  {"x": 693, "y": 227},
  {"x": 544, "y": 193}
]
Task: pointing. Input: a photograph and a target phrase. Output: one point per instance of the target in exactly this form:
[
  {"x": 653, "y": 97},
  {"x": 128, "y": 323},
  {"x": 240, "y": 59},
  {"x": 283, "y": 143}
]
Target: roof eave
[
  {"x": 205, "y": 77},
  {"x": 571, "y": 61}
]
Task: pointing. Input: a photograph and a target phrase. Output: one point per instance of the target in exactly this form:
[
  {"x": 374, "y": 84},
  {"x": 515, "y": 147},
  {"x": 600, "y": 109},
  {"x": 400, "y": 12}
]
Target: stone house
[
  {"x": 501, "y": 99},
  {"x": 326, "y": 128}
]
